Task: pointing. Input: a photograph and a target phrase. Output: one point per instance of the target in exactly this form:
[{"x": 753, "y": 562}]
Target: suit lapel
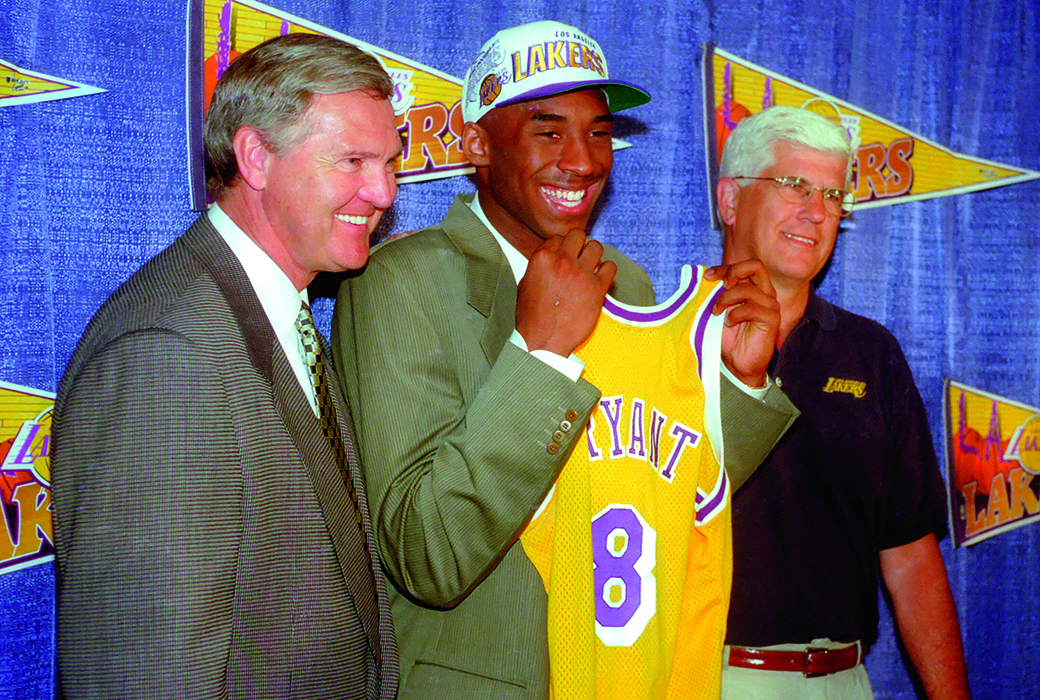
[
  {"x": 373, "y": 586},
  {"x": 316, "y": 452},
  {"x": 489, "y": 280},
  {"x": 209, "y": 247},
  {"x": 324, "y": 472}
]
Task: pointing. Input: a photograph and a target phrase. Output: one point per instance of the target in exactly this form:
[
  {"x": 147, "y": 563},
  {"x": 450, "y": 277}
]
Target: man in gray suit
[
  {"x": 450, "y": 343},
  {"x": 210, "y": 516}
]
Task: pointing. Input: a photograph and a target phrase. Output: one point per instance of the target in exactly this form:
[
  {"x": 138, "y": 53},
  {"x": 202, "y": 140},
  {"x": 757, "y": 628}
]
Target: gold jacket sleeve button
[
  {"x": 572, "y": 415},
  {"x": 565, "y": 426},
  {"x": 558, "y": 436},
  {"x": 552, "y": 448}
]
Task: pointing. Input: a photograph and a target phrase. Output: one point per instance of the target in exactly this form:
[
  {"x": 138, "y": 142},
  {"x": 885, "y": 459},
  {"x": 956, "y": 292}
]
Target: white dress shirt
[{"x": 277, "y": 294}]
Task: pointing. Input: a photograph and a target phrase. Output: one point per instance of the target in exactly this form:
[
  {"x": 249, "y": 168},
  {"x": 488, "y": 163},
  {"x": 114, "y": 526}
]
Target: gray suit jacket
[
  {"x": 454, "y": 424},
  {"x": 206, "y": 543}
]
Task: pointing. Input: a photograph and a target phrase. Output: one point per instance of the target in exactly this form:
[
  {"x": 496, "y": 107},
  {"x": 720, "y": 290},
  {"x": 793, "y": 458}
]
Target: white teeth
[
  {"x": 569, "y": 198},
  {"x": 357, "y": 220},
  {"x": 807, "y": 241}
]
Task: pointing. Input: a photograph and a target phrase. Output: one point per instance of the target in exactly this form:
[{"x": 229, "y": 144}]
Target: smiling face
[
  {"x": 794, "y": 241},
  {"x": 542, "y": 164},
  {"x": 323, "y": 197}
]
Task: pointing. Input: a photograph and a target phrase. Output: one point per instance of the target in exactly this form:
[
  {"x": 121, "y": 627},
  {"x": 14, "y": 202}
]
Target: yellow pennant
[
  {"x": 993, "y": 462},
  {"x": 892, "y": 165},
  {"x": 26, "y": 531},
  {"x": 19, "y": 86},
  {"x": 427, "y": 102}
]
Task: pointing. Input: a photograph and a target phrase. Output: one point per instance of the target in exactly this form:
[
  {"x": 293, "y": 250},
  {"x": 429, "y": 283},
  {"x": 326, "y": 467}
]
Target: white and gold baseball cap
[{"x": 540, "y": 59}]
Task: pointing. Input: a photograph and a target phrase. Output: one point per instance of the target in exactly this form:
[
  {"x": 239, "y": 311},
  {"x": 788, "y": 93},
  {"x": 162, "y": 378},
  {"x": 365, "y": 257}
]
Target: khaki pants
[{"x": 755, "y": 684}]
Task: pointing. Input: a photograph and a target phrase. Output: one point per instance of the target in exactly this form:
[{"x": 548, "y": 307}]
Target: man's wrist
[
  {"x": 755, "y": 392},
  {"x": 571, "y": 367}
]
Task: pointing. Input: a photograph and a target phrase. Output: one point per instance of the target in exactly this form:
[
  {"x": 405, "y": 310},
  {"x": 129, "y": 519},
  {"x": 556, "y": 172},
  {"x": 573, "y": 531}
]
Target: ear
[
  {"x": 727, "y": 194},
  {"x": 253, "y": 156},
  {"x": 476, "y": 144}
]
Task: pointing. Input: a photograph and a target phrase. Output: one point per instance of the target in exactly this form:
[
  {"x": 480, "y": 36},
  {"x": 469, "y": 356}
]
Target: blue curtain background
[{"x": 93, "y": 186}]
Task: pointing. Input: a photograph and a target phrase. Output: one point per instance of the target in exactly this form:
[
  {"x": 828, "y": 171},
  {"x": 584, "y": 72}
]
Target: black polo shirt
[{"x": 855, "y": 474}]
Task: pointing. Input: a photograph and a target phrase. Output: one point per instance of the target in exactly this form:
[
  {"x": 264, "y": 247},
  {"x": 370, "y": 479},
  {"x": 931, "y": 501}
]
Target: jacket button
[
  {"x": 565, "y": 426},
  {"x": 572, "y": 415},
  {"x": 552, "y": 448},
  {"x": 558, "y": 436}
]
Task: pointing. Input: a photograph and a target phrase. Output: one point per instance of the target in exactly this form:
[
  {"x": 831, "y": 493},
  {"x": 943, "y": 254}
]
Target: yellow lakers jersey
[{"x": 633, "y": 542}]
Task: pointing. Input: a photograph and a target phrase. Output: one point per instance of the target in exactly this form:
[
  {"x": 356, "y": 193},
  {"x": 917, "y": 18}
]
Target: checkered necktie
[{"x": 326, "y": 411}]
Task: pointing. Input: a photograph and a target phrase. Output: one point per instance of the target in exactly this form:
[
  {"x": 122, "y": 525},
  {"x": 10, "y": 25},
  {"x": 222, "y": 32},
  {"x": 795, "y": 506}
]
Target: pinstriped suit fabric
[{"x": 204, "y": 534}]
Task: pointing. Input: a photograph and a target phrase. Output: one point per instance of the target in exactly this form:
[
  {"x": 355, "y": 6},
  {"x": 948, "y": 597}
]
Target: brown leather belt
[{"x": 812, "y": 662}]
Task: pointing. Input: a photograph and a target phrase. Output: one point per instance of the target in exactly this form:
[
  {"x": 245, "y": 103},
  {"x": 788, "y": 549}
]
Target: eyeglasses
[{"x": 797, "y": 190}]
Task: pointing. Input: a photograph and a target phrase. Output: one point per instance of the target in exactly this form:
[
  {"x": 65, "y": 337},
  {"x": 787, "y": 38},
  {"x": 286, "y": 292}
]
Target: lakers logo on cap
[{"x": 490, "y": 89}]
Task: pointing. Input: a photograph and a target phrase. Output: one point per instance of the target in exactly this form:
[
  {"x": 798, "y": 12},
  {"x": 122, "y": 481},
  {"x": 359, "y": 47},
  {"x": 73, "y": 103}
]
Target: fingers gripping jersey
[{"x": 633, "y": 542}]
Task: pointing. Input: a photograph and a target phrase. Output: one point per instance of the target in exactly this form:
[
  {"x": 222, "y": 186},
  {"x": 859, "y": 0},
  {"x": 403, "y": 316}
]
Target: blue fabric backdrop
[{"x": 93, "y": 186}]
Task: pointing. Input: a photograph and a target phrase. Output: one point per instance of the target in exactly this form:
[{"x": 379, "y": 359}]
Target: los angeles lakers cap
[{"x": 540, "y": 59}]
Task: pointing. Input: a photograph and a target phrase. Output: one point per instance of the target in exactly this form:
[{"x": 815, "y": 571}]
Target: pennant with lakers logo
[
  {"x": 19, "y": 86},
  {"x": 427, "y": 102},
  {"x": 892, "y": 165},
  {"x": 26, "y": 533},
  {"x": 993, "y": 463}
]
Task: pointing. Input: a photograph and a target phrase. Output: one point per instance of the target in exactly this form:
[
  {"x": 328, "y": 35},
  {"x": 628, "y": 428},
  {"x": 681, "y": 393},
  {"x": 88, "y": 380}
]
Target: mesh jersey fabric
[{"x": 633, "y": 543}]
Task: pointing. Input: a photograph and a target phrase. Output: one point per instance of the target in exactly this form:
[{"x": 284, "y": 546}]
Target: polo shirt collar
[{"x": 819, "y": 310}]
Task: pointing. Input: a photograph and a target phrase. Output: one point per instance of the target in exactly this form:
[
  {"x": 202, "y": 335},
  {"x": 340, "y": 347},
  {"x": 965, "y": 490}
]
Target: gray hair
[
  {"x": 270, "y": 88},
  {"x": 749, "y": 149}
]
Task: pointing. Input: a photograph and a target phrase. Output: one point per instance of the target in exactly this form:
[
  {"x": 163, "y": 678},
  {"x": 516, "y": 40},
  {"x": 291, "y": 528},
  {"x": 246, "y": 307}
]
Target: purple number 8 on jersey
[{"x": 623, "y": 558}]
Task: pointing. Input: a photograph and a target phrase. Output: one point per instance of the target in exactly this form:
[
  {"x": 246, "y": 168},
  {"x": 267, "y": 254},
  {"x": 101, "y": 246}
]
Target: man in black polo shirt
[{"x": 853, "y": 489}]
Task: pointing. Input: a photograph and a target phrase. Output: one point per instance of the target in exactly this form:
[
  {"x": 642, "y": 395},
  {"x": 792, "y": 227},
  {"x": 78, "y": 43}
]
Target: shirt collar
[
  {"x": 517, "y": 261},
  {"x": 277, "y": 294},
  {"x": 821, "y": 311}
]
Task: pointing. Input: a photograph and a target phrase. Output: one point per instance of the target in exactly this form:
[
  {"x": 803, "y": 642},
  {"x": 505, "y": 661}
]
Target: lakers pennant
[{"x": 633, "y": 542}]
